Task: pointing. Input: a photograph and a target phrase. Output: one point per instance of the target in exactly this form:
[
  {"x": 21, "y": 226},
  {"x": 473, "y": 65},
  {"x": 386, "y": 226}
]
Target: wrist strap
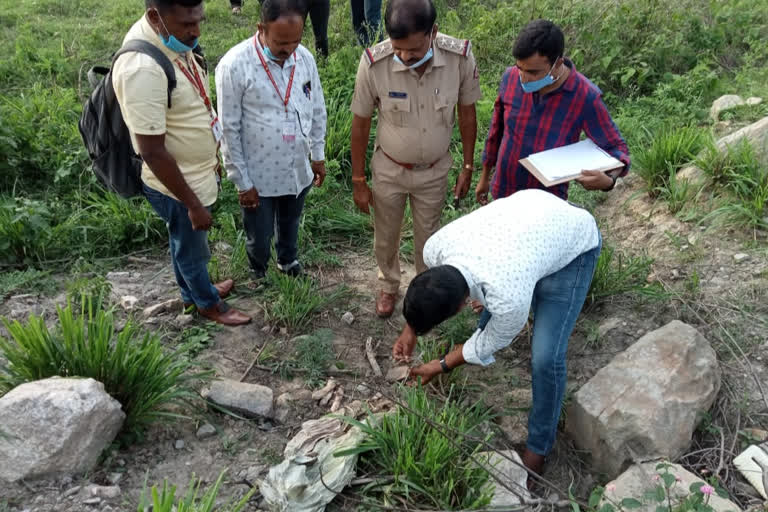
[
  {"x": 444, "y": 365},
  {"x": 358, "y": 179}
]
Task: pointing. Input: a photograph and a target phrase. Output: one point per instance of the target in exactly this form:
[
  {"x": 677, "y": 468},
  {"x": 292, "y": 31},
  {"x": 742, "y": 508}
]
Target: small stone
[
  {"x": 607, "y": 326},
  {"x": 104, "y": 491},
  {"x": 114, "y": 478},
  {"x": 183, "y": 320},
  {"x": 179, "y": 444},
  {"x": 283, "y": 331},
  {"x": 266, "y": 329},
  {"x": 348, "y": 318},
  {"x": 754, "y": 100},
  {"x": 163, "y": 307},
  {"x": 739, "y": 257},
  {"x": 363, "y": 389},
  {"x": 675, "y": 274},
  {"x": 128, "y": 302},
  {"x": 92, "y": 501},
  {"x": 72, "y": 491},
  {"x": 205, "y": 431},
  {"x": 398, "y": 373}
]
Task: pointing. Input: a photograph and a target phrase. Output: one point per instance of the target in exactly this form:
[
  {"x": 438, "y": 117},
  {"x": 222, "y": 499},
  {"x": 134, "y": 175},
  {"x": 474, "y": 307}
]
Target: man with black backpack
[{"x": 176, "y": 131}]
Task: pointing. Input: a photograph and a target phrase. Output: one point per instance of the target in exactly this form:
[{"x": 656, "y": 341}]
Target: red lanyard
[
  {"x": 272, "y": 79},
  {"x": 197, "y": 83}
]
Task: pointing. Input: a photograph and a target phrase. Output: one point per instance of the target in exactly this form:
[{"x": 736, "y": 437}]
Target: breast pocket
[
  {"x": 445, "y": 106},
  {"x": 396, "y": 110}
]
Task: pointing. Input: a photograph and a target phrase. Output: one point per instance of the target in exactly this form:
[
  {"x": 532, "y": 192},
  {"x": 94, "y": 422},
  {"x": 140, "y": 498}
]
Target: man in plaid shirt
[{"x": 544, "y": 103}]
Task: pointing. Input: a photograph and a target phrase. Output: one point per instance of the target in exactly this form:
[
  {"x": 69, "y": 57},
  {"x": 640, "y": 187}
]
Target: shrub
[
  {"x": 150, "y": 383},
  {"x": 666, "y": 152},
  {"x": 429, "y": 466},
  {"x": 164, "y": 500},
  {"x": 618, "y": 273}
]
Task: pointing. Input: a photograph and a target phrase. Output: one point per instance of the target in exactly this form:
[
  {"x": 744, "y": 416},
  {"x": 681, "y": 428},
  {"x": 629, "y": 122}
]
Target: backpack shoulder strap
[{"x": 147, "y": 48}]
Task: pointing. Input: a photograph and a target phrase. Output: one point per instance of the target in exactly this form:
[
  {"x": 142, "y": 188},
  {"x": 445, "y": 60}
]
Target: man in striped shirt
[{"x": 544, "y": 103}]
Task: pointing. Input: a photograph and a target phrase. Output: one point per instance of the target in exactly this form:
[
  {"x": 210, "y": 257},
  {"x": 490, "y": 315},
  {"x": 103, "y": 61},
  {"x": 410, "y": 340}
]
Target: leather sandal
[
  {"x": 224, "y": 288},
  {"x": 221, "y": 313},
  {"x": 385, "y": 304}
]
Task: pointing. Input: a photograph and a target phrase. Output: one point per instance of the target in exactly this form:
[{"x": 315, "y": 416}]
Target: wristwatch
[
  {"x": 469, "y": 167},
  {"x": 613, "y": 177},
  {"x": 444, "y": 365}
]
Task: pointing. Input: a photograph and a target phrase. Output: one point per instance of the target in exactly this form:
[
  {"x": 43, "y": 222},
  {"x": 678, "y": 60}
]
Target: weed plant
[
  {"x": 428, "y": 467},
  {"x": 293, "y": 301},
  {"x": 150, "y": 383},
  {"x": 617, "y": 273},
  {"x": 664, "y": 154},
  {"x": 195, "y": 500},
  {"x": 27, "y": 281},
  {"x": 314, "y": 354}
]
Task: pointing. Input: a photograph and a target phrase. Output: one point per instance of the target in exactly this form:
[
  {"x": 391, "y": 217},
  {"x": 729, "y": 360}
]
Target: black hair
[
  {"x": 273, "y": 9},
  {"x": 405, "y": 17},
  {"x": 165, "y": 4},
  {"x": 542, "y": 37},
  {"x": 434, "y": 296}
]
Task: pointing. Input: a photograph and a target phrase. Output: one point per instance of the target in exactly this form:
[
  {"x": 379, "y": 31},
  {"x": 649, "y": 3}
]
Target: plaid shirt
[{"x": 523, "y": 124}]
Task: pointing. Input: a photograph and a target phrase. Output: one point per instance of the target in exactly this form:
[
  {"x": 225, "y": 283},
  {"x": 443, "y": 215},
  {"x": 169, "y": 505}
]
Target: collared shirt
[
  {"x": 503, "y": 250},
  {"x": 253, "y": 117},
  {"x": 416, "y": 114},
  {"x": 141, "y": 88},
  {"x": 525, "y": 123}
]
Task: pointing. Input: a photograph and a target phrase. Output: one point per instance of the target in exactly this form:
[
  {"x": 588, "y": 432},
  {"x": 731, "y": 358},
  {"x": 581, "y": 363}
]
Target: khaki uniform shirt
[
  {"x": 141, "y": 88},
  {"x": 416, "y": 114}
]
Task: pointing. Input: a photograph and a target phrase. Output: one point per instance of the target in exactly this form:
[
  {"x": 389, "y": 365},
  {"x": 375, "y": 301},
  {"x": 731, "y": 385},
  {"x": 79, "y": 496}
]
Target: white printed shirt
[
  {"x": 503, "y": 250},
  {"x": 252, "y": 116}
]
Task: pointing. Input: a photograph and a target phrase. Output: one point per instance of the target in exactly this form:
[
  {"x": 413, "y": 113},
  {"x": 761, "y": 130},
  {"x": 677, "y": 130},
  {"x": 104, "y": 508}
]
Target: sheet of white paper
[{"x": 571, "y": 160}]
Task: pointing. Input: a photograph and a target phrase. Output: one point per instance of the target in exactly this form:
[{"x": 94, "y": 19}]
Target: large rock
[
  {"x": 55, "y": 426},
  {"x": 640, "y": 478},
  {"x": 249, "y": 399},
  {"x": 646, "y": 403},
  {"x": 724, "y": 103},
  {"x": 757, "y": 136}
]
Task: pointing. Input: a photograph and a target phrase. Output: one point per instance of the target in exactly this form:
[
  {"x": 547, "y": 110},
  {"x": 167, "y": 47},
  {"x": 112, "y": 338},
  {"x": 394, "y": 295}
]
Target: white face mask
[{"x": 430, "y": 53}]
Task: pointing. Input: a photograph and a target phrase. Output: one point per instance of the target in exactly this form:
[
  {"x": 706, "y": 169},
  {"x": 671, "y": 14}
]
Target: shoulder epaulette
[
  {"x": 378, "y": 52},
  {"x": 453, "y": 45}
]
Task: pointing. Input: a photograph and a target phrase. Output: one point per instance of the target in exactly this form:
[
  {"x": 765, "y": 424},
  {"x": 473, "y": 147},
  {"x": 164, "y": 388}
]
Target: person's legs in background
[
  {"x": 373, "y": 20},
  {"x": 319, "y": 12},
  {"x": 288, "y": 210},
  {"x": 358, "y": 20},
  {"x": 258, "y": 224},
  {"x": 236, "y": 6}
]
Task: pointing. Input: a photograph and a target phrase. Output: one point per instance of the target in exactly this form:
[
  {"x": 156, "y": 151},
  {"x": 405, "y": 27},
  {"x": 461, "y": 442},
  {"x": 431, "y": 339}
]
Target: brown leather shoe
[
  {"x": 385, "y": 304},
  {"x": 221, "y": 313},
  {"x": 224, "y": 288},
  {"x": 535, "y": 463}
]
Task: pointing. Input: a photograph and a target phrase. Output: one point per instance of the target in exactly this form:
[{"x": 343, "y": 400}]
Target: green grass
[
  {"x": 421, "y": 464},
  {"x": 314, "y": 354},
  {"x": 195, "y": 500},
  {"x": 30, "y": 280},
  {"x": 665, "y": 153},
  {"x": 617, "y": 273},
  {"x": 150, "y": 383},
  {"x": 294, "y": 301}
]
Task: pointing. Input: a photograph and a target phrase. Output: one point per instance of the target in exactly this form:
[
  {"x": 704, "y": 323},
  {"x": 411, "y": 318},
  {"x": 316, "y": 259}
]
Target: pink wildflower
[{"x": 707, "y": 489}]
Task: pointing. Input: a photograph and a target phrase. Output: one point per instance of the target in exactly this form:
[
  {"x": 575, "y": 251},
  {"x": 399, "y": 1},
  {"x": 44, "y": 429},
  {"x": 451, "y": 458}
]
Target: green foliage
[
  {"x": 618, "y": 273},
  {"x": 164, "y": 500},
  {"x": 293, "y": 301},
  {"x": 233, "y": 263},
  {"x": 430, "y": 465},
  {"x": 664, "y": 154},
  {"x": 135, "y": 369},
  {"x": 459, "y": 327},
  {"x": 83, "y": 289},
  {"x": 26, "y": 281},
  {"x": 314, "y": 354}
]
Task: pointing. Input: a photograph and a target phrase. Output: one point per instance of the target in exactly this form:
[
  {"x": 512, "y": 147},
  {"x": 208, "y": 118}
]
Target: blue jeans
[
  {"x": 189, "y": 250},
  {"x": 556, "y": 304},
  {"x": 282, "y": 214},
  {"x": 366, "y": 20}
]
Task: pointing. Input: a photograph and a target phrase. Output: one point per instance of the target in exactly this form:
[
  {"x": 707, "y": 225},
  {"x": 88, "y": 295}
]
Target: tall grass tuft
[
  {"x": 665, "y": 153},
  {"x": 618, "y": 273},
  {"x": 150, "y": 383},
  {"x": 293, "y": 301},
  {"x": 428, "y": 468}
]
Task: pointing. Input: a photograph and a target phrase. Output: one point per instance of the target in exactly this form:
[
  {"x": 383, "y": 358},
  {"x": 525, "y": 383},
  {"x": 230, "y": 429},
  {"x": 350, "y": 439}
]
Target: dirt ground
[{"x": 727, "y": 293}]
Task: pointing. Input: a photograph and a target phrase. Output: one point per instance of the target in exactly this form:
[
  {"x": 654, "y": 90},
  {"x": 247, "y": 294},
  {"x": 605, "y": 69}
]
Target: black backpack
[{"x": 115, "y": 162}]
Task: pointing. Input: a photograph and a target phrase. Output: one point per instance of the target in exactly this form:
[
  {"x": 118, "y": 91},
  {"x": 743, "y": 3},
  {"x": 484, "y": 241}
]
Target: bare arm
[
  {"x": 361, "y": 131},
  {"x": 468, "y": 130}
]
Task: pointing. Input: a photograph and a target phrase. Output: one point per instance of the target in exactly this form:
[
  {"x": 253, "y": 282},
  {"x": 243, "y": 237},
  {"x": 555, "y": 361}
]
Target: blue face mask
[
  {"x": 270, "y": 55},
  {"x": 430, "y": 53},
  {"x": 539, "y": 84},
  {"x": 174, "y": 44}
]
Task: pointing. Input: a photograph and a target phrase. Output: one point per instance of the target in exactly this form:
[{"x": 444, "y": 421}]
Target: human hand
[
  {"x": 362, "y": 196},
  {"x": 463, "y": 182},
  {"x": 200, "y": 218},
  {"x": 427, "y": 372},
  {"x": 404, "y": 346},
  {"x": 595, "y": 180},
  {"x": 318, "y": 169},
  {"x": 249, "y": 198},
  {"x": 481, "y": 190}
]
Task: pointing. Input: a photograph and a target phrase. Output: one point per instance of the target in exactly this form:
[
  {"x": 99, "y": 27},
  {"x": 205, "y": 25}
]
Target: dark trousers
[
  {"x": 281, "y": 214},
  {"x": 319, "y": 12},
  {"x": 366, "y": 18}
]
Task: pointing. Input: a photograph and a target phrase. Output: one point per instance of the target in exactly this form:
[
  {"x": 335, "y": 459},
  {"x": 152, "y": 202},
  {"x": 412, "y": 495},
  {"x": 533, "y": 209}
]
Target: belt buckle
[{"x": 420, "y": 167}]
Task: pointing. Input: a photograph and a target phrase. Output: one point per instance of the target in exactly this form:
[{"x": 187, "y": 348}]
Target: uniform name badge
[
  {"x": 289, "y": 129},
  {"x": 218, "y": 131}
]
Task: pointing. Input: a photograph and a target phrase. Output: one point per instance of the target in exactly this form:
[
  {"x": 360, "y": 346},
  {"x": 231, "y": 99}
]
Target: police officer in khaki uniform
[{"x": 416, "y": 79}]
